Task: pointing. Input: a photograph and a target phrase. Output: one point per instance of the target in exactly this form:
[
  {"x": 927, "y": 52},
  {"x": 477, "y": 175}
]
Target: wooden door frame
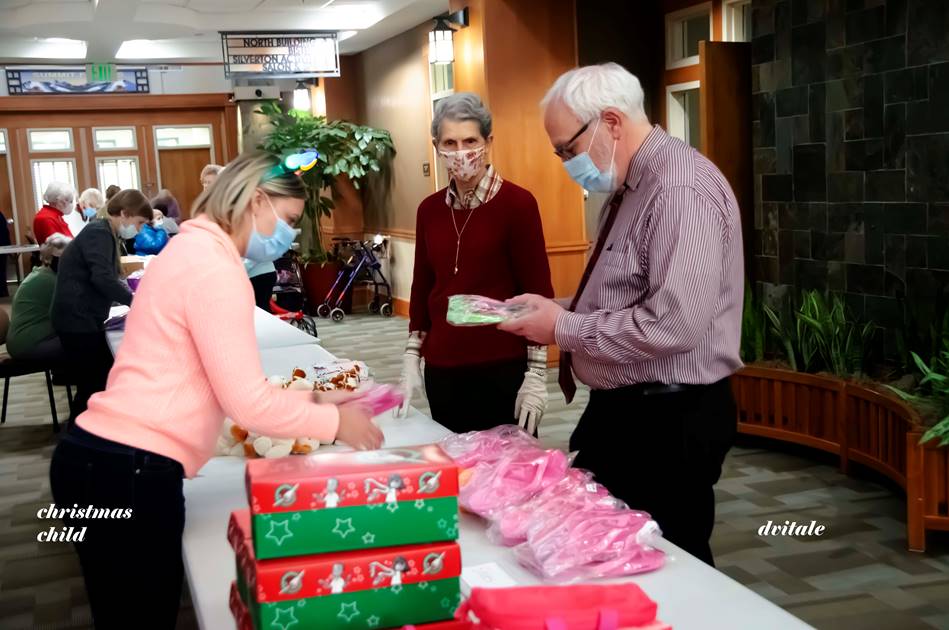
[
  {"x": 12, "y": 184},
  {"x": 210, "y": 146}
]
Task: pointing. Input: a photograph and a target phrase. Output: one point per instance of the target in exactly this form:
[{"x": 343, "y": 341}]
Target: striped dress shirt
[{"x": 664, "y": 303}]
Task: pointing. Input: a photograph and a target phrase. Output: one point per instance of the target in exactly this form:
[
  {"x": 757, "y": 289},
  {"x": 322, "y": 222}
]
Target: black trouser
[
  {"x": 132, "y": 567},
  {"x": 474, "y": 398},
  {"x": 89, "y": 360},
  {"x": 263, "y": 289},
  {"x": 661, "y": 453}
]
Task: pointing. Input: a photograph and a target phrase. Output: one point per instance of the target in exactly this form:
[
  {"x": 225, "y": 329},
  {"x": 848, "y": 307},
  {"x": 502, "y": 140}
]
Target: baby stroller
[
  {"x": 362, "y": 265},
  {"x": 289, "y": 299}
]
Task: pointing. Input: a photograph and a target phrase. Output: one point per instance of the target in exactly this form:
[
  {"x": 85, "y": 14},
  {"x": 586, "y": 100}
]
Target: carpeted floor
[{"x": 858, "y": 575}]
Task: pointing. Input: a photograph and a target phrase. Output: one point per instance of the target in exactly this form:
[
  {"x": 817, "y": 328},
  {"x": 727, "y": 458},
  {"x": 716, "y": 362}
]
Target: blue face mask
[
  {"x": 89, "y": 213},
  {"x": 262, "y": 248},
  {"x": 583, "y": 171}
]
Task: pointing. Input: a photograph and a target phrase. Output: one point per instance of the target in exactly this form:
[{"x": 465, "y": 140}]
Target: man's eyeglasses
[{"x": 563, "y": 150}]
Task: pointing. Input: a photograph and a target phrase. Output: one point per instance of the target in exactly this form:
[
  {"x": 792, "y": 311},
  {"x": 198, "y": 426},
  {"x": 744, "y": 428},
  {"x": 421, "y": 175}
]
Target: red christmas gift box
[
  {"x": 374, "y": 588},
  {"x": 329, "y": 502},
  {"x": 239, "y": 610},
  {"x": 239, "y": 537}
]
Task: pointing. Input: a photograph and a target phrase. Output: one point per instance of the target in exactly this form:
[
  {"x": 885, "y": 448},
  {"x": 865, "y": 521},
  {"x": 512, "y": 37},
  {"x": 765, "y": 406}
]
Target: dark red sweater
[{"x": 502, "y": 255}]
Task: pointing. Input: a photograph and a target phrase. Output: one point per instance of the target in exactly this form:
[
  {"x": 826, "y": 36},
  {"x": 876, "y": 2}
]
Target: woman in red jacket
[
  {"x": 480, "y": 235},
  {"x": 59, "y": 200}
]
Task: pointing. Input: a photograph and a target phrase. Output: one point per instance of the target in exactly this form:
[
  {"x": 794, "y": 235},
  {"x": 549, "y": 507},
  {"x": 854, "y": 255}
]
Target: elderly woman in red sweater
[{"x": 480, "y": 235}]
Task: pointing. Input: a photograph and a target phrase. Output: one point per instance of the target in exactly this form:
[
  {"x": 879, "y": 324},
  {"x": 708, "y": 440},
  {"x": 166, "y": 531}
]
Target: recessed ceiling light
[{"x": 58, "y": 48}]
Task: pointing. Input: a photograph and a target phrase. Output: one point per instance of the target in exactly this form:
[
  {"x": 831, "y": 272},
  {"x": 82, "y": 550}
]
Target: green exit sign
[{"x": 100, "y": 72}]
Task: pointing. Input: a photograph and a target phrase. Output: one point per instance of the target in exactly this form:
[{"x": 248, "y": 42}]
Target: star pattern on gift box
[
  {"x": 396, "y": 589},
  {"x": 344, "y": 531},
  {"x": 284, "y": 619},
  {"x": 348, "y": 611},
  {"x": 373, "y": 622},
  {"x": 442, "y": 523},
  {"x": 445, "y": 602},
  {"x": 368, "y": 538},
  {"x": 419, "y": 504},
  {"x": 283, "y": 526},
  {"x": 423, "y": 585},
  {"x": 392, "y": 507}
]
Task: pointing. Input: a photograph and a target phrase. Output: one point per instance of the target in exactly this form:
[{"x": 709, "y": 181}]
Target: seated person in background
[
  {"x": 209, "y": 174},
  {"x": 110, "y": 192},
  {"x": 31, "y": 336},
  {"x": 88, "y": 284},
  {"x": 91, "y": 203},
  {"x": 60, "y": 199},
  {"x": 167, "y": 211}
]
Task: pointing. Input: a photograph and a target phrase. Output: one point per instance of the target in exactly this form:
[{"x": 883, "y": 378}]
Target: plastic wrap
[
  {"x": 592, "y": 543},
  {"x": 576, "y": 491},
  {"x": 474, "y": 447},
  {"x": 477, "y": 310},
  {"x": 519, "y": 475},
  {"x": 379, "y": 397}
]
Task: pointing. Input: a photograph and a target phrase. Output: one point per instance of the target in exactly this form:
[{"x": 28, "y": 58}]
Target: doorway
[{"x": 179, "y": 171}]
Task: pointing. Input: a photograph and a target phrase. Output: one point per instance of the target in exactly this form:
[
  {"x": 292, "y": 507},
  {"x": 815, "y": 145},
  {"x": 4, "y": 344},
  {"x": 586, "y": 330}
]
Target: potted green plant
[{"x": 347, "y": 151}]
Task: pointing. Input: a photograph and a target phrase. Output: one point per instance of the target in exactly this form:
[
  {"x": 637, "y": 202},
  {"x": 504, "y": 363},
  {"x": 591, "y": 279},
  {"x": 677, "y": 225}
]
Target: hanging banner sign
[
  {"x": 23, "y": 80},
  {"x": 281, "y": 54}
]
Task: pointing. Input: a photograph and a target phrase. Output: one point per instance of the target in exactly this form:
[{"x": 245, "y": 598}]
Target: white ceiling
[{"x": 187, "y": 30}]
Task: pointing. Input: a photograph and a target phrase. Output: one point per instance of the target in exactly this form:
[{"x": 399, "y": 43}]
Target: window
[
  {"x": 108, "y": 138},
  {"x": 121, "y": 171},
  {"x": 46, "y": 172},
  {"x": 684, "y": 30},
  {"x": 170, "y": 137},
  {"x": 50, "y": 139},
  {"x": 737, "y": 21},
  {"x": 683, "y": 113},
  {"x": 3, "y": 141},
  {"x": 442, "y": 80}
]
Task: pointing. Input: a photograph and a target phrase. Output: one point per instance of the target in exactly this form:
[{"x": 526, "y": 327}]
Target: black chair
[{"x": 11, "y": 368}]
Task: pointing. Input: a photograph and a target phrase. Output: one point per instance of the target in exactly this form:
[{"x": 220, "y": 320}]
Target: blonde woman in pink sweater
[{"x": 189, "y": 358}]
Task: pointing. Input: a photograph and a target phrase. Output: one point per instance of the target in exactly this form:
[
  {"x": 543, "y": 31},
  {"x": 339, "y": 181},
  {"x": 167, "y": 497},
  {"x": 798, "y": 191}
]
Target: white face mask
[
  {"x": 127, "y": 231},
  {"x": 465, "y": 164},
  {"x": 68, "y": 209}
]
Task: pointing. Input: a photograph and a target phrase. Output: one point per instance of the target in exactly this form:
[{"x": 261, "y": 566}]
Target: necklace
[{"x": 458, "y": 232}]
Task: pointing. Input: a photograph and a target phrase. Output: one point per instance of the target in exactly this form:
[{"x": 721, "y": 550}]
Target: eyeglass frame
[{"x": 561, "y": 149}]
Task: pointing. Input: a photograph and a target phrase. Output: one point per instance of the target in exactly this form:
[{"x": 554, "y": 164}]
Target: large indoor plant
[{"x": 346, "y": 151}]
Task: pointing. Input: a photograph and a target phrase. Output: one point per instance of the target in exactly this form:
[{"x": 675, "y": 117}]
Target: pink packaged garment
[
  {"x": 592, "y": 543},
  {"x": 519, "y": 475},
  {"x": 379, "y": 397},
  {"x": 575, "y": 491},
  {"x": 468, "y": 449}
]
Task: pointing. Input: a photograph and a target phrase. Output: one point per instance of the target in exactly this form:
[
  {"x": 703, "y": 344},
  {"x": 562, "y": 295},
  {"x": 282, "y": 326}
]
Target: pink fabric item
[
  {"x": 592, "y": 543},
  {"x": 512, "y": 480},
  {"x": 468, "y": 449},
  {"x": 380, "y": 397},
  {"x": 202, "y": 323}
]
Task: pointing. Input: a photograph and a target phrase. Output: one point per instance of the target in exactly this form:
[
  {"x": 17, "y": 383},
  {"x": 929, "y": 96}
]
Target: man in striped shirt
[{"x": 655, "y": 324}]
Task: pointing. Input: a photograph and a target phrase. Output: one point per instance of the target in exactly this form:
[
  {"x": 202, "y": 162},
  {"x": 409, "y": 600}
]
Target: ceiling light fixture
[{"x": 441, "y": 49}]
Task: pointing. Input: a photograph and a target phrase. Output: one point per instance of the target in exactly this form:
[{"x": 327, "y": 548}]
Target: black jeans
[
  {"x": 89, "y": 360},
  {"x": 474, "y": 398},
  {"x": 132, "y": 567},
  {"x": 661, "y": 453},
  {"x": 263, "y": 289}
]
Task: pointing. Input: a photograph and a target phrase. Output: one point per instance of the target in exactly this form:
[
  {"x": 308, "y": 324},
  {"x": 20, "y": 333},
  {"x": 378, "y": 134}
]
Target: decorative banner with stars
[
  {"x": 320, "y": 575},
  {"x": 282, "y": 535},
  {"x": 369, "y": 609},
  {"x": 332, "y": 481}
]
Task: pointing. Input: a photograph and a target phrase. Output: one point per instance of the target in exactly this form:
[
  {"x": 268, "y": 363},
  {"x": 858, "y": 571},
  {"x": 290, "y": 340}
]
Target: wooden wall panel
[
  {"x": 471, "y": 70},
  {"x": 725, "y": 108}
]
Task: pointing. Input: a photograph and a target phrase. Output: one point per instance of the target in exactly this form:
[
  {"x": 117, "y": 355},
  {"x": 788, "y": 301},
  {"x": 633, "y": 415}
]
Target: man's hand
[{"x": 538, "y": 323}]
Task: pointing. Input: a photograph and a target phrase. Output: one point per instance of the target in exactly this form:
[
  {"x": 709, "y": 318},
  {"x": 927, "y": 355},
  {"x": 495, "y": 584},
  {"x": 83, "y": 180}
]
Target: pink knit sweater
[{"x": 189, "y": 358}]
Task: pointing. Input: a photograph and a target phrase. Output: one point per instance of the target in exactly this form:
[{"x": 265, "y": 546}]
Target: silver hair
[
  {"x": 53, "y": 247},
  {"x": 588, "y": 90},
  {"x": 59, "y": 194},
  {"x": 92, "y": 198},
  {"x": 460, "y": 107}
]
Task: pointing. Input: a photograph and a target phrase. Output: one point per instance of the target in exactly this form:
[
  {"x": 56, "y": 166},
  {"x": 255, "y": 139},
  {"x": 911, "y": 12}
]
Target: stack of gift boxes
[{"x": 344, "y": 540}]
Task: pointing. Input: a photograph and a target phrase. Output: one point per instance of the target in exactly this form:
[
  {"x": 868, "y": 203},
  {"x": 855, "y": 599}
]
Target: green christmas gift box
[
  {"x": 329, "y": 502},
  {"x": 369, "y": 588}
]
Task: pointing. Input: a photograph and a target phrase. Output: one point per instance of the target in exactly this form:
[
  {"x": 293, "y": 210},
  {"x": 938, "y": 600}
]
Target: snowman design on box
[
  {"x": 330, "y": 496},
  {"x": 380, "y": 571},
  {"x": 336, "y": 581},
  {"x": 389, "y": 489}
]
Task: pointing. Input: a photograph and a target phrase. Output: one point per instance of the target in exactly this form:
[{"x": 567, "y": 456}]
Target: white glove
[
  {"x": 412, "y": 380},
  {"x": 531, "y": 402}
]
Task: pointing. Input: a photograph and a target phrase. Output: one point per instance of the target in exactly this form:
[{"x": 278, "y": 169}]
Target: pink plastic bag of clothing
[
  {"x": 379, "y": 397},
  {"x": 575, "y": 491},
  {"x": 512, "y": 480},
  {"x": 468, "y": 449},
  {"x": 592, "y": 543}
]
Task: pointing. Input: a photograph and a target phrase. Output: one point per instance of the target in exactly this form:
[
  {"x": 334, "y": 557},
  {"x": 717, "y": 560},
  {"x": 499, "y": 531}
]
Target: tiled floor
[{"x": 858, "y": 575}]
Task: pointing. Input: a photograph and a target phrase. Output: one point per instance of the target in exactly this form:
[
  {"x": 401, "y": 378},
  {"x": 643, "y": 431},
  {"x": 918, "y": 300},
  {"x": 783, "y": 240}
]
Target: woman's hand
[{"x": 357, "y": 429}]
